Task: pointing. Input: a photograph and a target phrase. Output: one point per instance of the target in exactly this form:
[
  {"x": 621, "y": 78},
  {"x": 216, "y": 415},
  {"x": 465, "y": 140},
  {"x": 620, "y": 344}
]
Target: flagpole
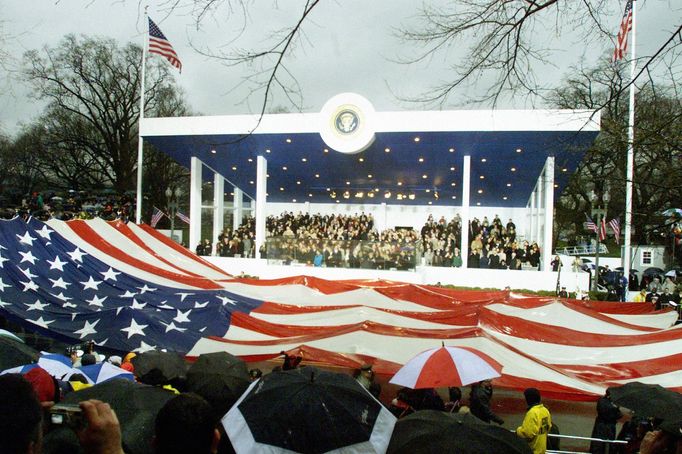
[
  {"x": 140, "y": 150},
  {"x": 627, "y": 259}
]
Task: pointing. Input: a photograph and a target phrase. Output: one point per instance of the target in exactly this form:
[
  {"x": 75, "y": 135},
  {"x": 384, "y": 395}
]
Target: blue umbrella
[
  {"x": 102, "y": 372},
  {"x": 673, "y": 212}
]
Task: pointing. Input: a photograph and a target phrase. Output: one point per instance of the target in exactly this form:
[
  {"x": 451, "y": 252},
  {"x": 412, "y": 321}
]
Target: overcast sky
[{"x": 349, "y": 45}]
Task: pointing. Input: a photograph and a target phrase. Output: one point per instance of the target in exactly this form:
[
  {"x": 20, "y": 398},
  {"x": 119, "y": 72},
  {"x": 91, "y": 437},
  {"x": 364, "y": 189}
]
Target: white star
[
  {"x": 27, "y": 273},
  {"x": 198, "y": 305},
  {"x": 61, "y": 283},
  {"x": 134, "y": 329},
  {"x": 26, "y": 239},
  {"x": 128, "y": 294},
  {"x": 163, "y": 305},
  {"x": 118, "y": 310},
  {"x": 91, "y": 284},
  {"x": 27, "y": 257},
  {"x": 225, "y": 300},
  {"x": 184, "y": 295},
  {"x": 73, "y": 314},
  {"x": 57, "y": 264},
  {"x": 146, "y": 289},
  {"x": 96, "y": 301},
  {"x": 87, "y": 329},
  {"x": 77, "y": 255},
  {"x": 171, "y": 326},
  {"x": 202, "y": 329},
  {"x": 3, "y": 260},
  {"x": 41, "y": 322},
  {"x": 37, "y": 306},
  {"x": 3, "y": 304},
  {"x": 62, "y": 297},
  {"x": 3, "y": 286},
  {"x": 137, "y": 305},
  {"x": 30, "y": 285},
  {"x": 110, "y": 274},
  {"x": 45, "y": 232},
  {"x": 182, "y": 317},
  {"x": 144, "y": 347}
]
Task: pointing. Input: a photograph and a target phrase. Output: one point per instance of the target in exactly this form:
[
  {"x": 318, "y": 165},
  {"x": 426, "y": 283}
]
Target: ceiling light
[
  {"x": 298, "y": 182},
  {"x": 281, "y": 189},
  {"x": 328, "y": 189},
  {"x": 326, "y": 150},
  {"x": 304, "y": 159},
  {"x": 346, "y": 195},
  {"x": 482, "y": 177},
  {"x": 417, "y": 139},
  {"x": 421, "y": 159},
  {"x": 518, "y": 150},
  {"x": 480, "y": 191},
  {"x": 453, "y": 184},
  {"x": 428, "y": 190},
  {"x": 288, "y": 140},
  {"x": 370, "y": 195},
  {"x": 387, "y": 150},
  {"x": 411, "y": 196},
  {"x": 232, "y": 194},
  {"x": 361, "y": 159},
  {"x": 213, "y": 151},
  {"x": 284, "y": 167},
  {"x": 513, "y": 169},
  {"x": 400, "y": 183},
  {"x": 509, "y": 185},
  {"x": 452, "y": 169},
  {"x": 310, "y": 195},
  {"x": 251, "y": 182},
  {"x": 387, "y": 195},
  {"x": 454, "y": 197},
  {"x": 564, "y": 169},
  {"x": 267, "y": 150},
  {"x": 430, "y": 202},
  {"x": 337, "y": 201},
  {"x": 483, "y": 160},
  {"x": 317, "y": 175},
  {"x": 347, "y": 183},
  {"x": 293, "y": 200},
  {"x": 376, "y": 189},
  {"x": 504, "y": 198},
  {"x": 451, "y": 150},
  {"x": 478, "y": 203},
  {"x": 234, "y": 167},
  {"x": 369, "y": 175},
  {"x": 250, "y": 160},
  {"x": 556, "y": 185},
  {"x": 425, "y": 176}
]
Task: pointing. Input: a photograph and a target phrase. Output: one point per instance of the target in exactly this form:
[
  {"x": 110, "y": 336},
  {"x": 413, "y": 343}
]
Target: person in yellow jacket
[{"x": 536, "y": 423}]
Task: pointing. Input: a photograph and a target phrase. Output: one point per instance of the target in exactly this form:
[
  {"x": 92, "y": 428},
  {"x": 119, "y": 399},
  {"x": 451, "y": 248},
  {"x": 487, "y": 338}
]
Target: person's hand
[
  {"x": 651, "y": 443},
  {"x": 103, "y": 432}
]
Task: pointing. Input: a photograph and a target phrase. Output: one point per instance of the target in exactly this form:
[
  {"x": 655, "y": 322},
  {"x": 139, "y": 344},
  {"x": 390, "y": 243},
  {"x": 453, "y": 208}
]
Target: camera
[{"x": 67, "y": 416}]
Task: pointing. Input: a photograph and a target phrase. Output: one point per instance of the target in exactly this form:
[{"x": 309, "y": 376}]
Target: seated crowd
[{"x": 354, "y": 242}]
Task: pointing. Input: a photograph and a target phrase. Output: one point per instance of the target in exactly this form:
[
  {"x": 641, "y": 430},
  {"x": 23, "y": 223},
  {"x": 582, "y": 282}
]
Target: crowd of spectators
[{"x": 71, "y": 205}]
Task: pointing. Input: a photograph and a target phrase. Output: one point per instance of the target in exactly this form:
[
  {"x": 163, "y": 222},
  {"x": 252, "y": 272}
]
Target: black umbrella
[
  {"x": 648, "y": 400},
  {"x": 307, "y": 410},
  {"x": 653, "y": 271},
  {"x": 136, "y": 406},
  {"x": 160, "y": 368},
  {"x": 220, "y": 378},
  {"x": 430, "y": 431},
  {"x": 14, "y": 353}
]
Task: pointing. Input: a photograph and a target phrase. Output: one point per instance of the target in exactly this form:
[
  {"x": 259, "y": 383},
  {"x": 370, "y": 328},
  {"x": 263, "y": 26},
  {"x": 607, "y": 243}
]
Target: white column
[
  {"x": 531, "y": 222},
  {"x": 538, "y": 211},
  {"x": 238, "y": 211},
  {"x": 194, "y": 203},
  {"x": 261, "y": 198},
  {"x": 466, "y": 190},
  {"x": 218, "y": 208},
  {"x": 380, "y": 218},
  {"x": 547, "y": 246}
]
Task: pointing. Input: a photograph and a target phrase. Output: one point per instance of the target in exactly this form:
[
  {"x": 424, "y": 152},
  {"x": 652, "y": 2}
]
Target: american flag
[
  {"x": 182, "y": 216},
  {"x": 615, "y": 226},
  {"x": 602, "y": 229},
  {"x": 156, "y": 217},
  {"x": 590, "y": 225},
  {"x": 158, "y": 44},
  {"x": 623, "y": 31},
  {"x": 128, "y": 287}
]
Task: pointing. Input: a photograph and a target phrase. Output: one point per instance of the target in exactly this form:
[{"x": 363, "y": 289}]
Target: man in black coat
[
  {"x": 608, "y": 414},
  {"x": 481, "y": 394}
]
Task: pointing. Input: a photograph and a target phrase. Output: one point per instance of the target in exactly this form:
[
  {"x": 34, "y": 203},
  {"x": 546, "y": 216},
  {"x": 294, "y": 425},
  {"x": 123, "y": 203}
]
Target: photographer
[{"x": 21, "y": 420}]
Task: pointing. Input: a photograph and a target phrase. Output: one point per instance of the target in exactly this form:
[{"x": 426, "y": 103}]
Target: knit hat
[{"x": 43, "y": 384}]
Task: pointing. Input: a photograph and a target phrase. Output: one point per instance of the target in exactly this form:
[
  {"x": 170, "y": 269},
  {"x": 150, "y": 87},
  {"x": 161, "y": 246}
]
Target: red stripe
[
  {"x": 87, "y": 234},
  {"x": 439, "y": 371}
]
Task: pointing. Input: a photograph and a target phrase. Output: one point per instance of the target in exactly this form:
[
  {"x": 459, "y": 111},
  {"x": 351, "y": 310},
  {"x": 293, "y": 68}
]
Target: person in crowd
[
  {"x": 457, "y": 258},
  {"x": 666, "y": 298},
  {"x": 556, "y": 263},
  {"x": 604, "y": 428},
  {"x": 186, "y": 424},
  {"x": 640, "y": 297},
  {"x": 563, "y": 293},
  {"x": 537, "y": 422},
  {"x": 576, "y": 265},
  {"x": 669, "y": 284},
  {"x": 21, "y": 430},
  {"x": 481, "y": 395},
  {"x": 365, "y": 376}
]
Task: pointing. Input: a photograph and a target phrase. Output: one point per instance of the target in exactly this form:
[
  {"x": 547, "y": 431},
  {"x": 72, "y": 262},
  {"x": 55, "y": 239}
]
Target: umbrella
[
  {"x": 648, "y": 400},
  {"x": 15, "y": 353},
  {"x": 673, "y": 212},
  {"x": 59, "y": 366},
  {"x": 102, "y": 372},
  {"x": 309, "y": 411},
  {"x": 220, "y": 378},
  {"x": 159, "y": 368},
  {"x": 4, "y": 332},
  {"x": 653, "y": 271},
  {"x": 135, "y": 405},
  {"x": 671, "y": 273},
  {"x": 446, "y": 366},
  {"x": 429, "y": 431}
]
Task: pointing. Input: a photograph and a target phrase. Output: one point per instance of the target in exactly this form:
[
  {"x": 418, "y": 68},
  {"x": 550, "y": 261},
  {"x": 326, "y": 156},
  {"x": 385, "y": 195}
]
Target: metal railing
[
  {"x": 582, "y": 250},
  {"x": 575, "y": 437}
]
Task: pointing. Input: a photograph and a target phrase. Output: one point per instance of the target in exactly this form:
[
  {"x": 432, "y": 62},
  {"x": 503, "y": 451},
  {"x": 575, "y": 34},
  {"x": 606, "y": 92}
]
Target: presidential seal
[{"x": 346, "y": 121}]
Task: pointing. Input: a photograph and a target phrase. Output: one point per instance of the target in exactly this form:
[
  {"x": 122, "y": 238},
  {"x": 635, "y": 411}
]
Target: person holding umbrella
[
  {"x": 608, "y": 414},
  {"x": 537, "y": 422},
  {"x": 481, "y": 394}
]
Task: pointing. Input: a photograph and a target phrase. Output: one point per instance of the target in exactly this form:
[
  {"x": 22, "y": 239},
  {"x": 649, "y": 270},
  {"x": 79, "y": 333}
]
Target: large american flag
[
  {"x": 159, "y": 44},
  {"x": 128, "y": 287},
  {"x": 623, "y": 32}
]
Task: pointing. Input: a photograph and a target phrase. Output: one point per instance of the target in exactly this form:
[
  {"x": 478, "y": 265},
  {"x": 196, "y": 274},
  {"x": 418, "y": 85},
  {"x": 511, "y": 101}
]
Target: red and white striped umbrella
[{"x": 447, "y": 366}]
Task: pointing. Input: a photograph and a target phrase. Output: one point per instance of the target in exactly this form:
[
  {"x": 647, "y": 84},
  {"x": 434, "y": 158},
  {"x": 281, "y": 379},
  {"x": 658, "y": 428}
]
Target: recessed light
[
  {"x": 504, "y": 198},
  {"x": 361, "y": 159},
  {"x": 428, "y": 190},
  {"x": 369, "y": 175},
  {"x": 251, "y": 182},
  {"x": 556, "y": 185},
  {"x": 347, "y": 183},
  {"x": 284, "y": 167},
  {"x": 451, "y": 150},
  {"x": 482, "y": 177},
  {"x": 281, "y": 189},
  {"x": 337, "y": 201},
  {"x": 317, "y": 175},
  {"x": 484, "y": 160},
  {"x": 453, "y": 184},
  {"x": 293, "y": 200},
  {"x": 387, "y": 150},
  {"x": 326, "y": 150},
  {"x": 513, "y": 169},
  {"x": 478, "y": 203},
  {"x": 452, "y": 169},
  {"x": 421, "y": 159},
  {"x": 213, "y": 151},
  {"x": 400, "y": 183},
  {"x": 425, "y": 176},
  {"x": 518, "y": 150},
  {"x": 267, "y": 150},
  {"x": 288, "y": 140},
  {"x": 304, "y": 159},
  {"x": 480, "y": 191},
  {"x": 417, "y": 139},
  {"x": 310, "y": 195},
  {"x": 250, "y": 160},
  {"x": 298, "y": 182},
  {"x": 232, "y": 194},
  {"x": 234, "y": 167},
  {"x": 509, "y": 185},
  {"x": 564, "y": 169},
  {"x": 430, "y": 202},
  {"x": 454, "y": 197}
]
